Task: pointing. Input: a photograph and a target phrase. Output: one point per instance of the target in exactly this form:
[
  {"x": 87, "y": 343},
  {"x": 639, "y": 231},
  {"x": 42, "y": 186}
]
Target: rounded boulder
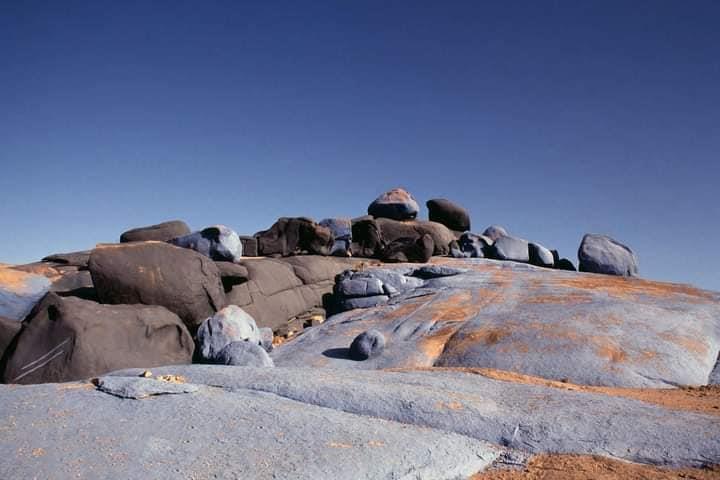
[
  {"x": 397, "y": 204},
  {"x": 449, "y": 214},
  {"x": 367, "y": 345}
]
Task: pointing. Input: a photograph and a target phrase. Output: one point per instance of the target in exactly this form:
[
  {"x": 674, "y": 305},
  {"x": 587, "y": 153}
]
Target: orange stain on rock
[{"x": 630, "y": 288}]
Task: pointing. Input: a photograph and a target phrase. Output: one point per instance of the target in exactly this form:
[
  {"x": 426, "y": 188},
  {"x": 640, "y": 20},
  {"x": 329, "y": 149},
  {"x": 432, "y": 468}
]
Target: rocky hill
[{"x": 377, "y": 347}]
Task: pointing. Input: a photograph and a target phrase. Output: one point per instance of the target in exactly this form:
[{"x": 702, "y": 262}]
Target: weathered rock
[
  {"x": 409, "y": 250},
  {"x": 540, "y": 256},
  {"x": 602, "y": 254},
  {"x": 341, "y": 229},
  {"x": 565, "y": 264},
  {"x": 231, "y": 324},
  {"x": 510, "y": 248},
  {"x": 69, "y": 339},
  {"x": 266, "y": 339},
  {"x": 449, "y": 214},
  {"x": 162, "y": 232},
  {"x": 218, "y": 242},
  {"x": 20, "y": 292},
  {"x": 249, "y": 246},
  {"x": 493, "y": 232},
  {"x": 155, "y": 273},
  {"x": 72, "y": 259},
  {"x": 367, "y": 345},
  {"x": 292, "y": 236},
  {"x": 138, "y": 388},
  {"x": 396, "y": 204},
  {"x": 393, "y": 231},
  {"x": 588, "y": 329},
  {"x": 244, "y": 354},
  {"x": 8, "y": 331},
  {"x": 232, "y": 274},
  {"x": 370, "y": 288},
  {"x": 470, "y": 245}
]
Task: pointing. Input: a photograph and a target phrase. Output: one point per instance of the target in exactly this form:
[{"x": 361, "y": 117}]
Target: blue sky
[{"x": 551, "y": 118}]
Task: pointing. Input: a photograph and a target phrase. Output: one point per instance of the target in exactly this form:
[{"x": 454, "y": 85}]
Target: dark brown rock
[
  {"x": 8, "y": 331},
  {"x": 449, "y": 214},
  {"x": 162, "y": 232},
  {"x": 292, "y": 236}
]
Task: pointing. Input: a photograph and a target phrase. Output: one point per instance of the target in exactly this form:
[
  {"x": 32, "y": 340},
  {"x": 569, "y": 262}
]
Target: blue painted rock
[
  {"x": 162, "y": 232},
  {"x": 602, "y": 254},
  {"x": 217, "y": 242},
  {"x": 68, "y": 338},
  {"x": 244, "y": 354},
  {"x": 20, "y": 292},
  {"x": 396, "y": 204},
  {"x": 231, "y": 324},
  {"x": 341, "y": 229},
  {"x": 449, "y": 214},
  {"x": 367, "y": 345},
  {"x": 493, "y": 232}
]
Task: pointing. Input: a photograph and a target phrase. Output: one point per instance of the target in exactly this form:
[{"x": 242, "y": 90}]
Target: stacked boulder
[{"x": 395, "y": 204}]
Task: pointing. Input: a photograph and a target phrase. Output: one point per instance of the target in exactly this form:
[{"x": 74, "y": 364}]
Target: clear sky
[{"x": 550, "y": 118}]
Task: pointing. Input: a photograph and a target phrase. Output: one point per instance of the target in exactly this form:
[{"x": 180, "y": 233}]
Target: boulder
[
  {"x": 510, "y": 248},
  {"x": 493, "y": 232},
  {"x": 396, "y": 204},
  {"x": 408, "y": 249},
  {"x": 231, "y": 324},
  {"x": 565, "y": 264},
  {"x": 266, "y": 338},
  {"x": 162, "y": 232},
  {"x": 70, "y": 339},
  {"x": 20, "y": 292},
  {"x": 367, "y": 238},
  {"x": 367, "y": 345},
  {"x": 393, "y": 230},
  {"x": 155, "y": 273},
  {"x": 217, "y": 242},
  {"x": 470, "y": 245},
  {"x": 292, "y": 236},
  {"x": 249, "y": 246},
  {"x": 341, "y": 229},
  {"x": 540, "y": 256},
  {"x": 371, "y": 287},
  {"x": 244, "y": 354},
  {"x": 603, "y": 254},
  {"x": 8, "y": 331},
  {"x": 449, "y": 214}
]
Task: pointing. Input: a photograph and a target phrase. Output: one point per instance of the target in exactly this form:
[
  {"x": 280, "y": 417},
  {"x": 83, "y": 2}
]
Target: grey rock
[
  {"x": 218, "y": 242},
  {"x": 493, "y": 232},
  {"x": 363, "y": 302},
  {"x": 472, "y": 246},
  {"x": 244, "y": 354},
  {"x": 511, "y": 248},
  {"x": 366, "y": 345},
  {"x": 231, "y": 324},
  {"x": 436, "y": 271},
  {"x": 360, "y": 287},
  {"x": 20, "y": 292},
  {"x": 540, "y": 256},
  {"x": 266, "y": 339},
  {"x": 138, "y": 387},
  {"x": 602, "y": 254}
]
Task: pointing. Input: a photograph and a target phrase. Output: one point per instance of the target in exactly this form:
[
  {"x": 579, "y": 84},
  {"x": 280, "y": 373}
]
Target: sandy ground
[{"x": 581, "y": 467}]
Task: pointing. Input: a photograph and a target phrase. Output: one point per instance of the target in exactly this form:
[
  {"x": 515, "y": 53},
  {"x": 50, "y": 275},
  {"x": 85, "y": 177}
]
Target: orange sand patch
[{"x": 581, "y": 467}]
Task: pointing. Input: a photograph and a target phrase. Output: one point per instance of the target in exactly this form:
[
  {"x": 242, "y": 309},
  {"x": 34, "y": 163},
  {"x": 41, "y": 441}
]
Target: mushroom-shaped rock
[
  {"x": 341, "y": 229},
  {"x": 449, "y": 214},
  {"x": 68, "y": 338},
  {"x": 162, "y": 232},
  {"x": 244, "y": 354},
  {"x": 367, "y": 345},
  {"x": 231, "y": 324},
  {"x": 20, "y": 292},
  {"x": 396, "y": 204},
  {"x": 218, "y": 242},
  {"x": 603, "y": 254},
  {"x": 156, "y": 273},
  {"x": 493, "y": 232}
]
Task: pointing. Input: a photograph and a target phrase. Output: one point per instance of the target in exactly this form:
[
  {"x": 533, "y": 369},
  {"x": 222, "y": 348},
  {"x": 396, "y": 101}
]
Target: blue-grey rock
[
  {"x": 602, "y": 254},
  {"x": 244, "y": 354},
  {"x": 359, "y": 287},
  {"x": 266, "y": 339},
  {"x": 341, "y": 229},
  {"x": 540, "y": 256},
  {"x": 231, "y": 324},
  {"x": 511, "y": 248},
  {"x": 20, "y": 292},
  {"x": 396, "y": 204},
  {"x": 139, "y": 387},
  {"x": 435, "y": 271},
  {"x": 363, "y": 302},
  {"x": 367, "y": 345},
  {"x": 472, "y": 246},
  {"x": 493, "y": 232},
  {"x": 217, "y": 242}
]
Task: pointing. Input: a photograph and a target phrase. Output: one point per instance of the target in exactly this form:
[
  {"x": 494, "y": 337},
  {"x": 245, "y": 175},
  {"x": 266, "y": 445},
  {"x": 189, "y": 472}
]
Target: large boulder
[
  {"x": 602, "y": 254},
  {"x": 396, "y": 204},
  {"x": 71, "y": 339},
  {"x": 20, "y": 292},
  {"x": 409, "y": 249},
  {"x": 510, "y": 248},
  {"x": 493, "y": 232},
  {"x": 449, "y": 214},
  {"x": 231, "y": 324},
  {"x": 244, "y": 354},
  {"x": 382, "y": 237},
  {"x": 155, "y": 273},
  {"x": 8, "y": 331},
  {"x": 341, "y": 229},
  {"x": 470, "y": 245},
  {"x": 540, "y": 256},
  {"x": 162, "y": 232},
  {"x": 292, "y": 236},
  {"x": 218, "y": 242}
]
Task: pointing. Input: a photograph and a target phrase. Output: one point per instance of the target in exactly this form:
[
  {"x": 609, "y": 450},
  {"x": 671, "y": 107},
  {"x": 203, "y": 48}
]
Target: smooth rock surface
[
  {"x": 510, "y": 248},
  {"x": 20, "y": 292},
  {"x": 366, "y": 345},
  {"x": 603, "y": 254},
  {"x": 244, "y": 354},
  {"x": 449, "y": 214},
  {"x": 588, "y": 329}
]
